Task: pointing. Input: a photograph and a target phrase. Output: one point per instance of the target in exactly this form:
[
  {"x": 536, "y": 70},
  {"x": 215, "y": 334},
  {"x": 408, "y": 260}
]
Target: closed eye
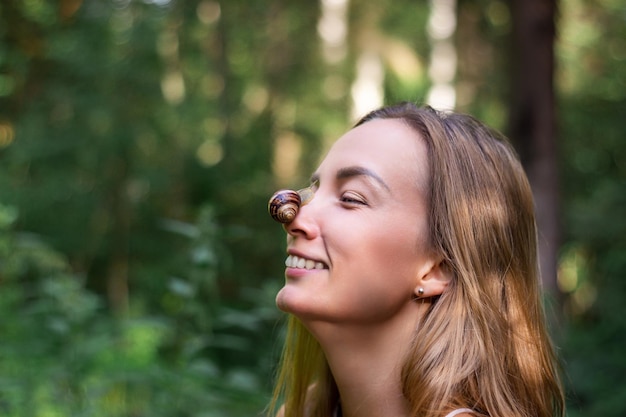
[{"x": 353, "y": 199}]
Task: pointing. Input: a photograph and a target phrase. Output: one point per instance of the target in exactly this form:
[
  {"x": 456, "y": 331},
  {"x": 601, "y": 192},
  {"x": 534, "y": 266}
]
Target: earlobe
[{"x": 434, "y": 281}]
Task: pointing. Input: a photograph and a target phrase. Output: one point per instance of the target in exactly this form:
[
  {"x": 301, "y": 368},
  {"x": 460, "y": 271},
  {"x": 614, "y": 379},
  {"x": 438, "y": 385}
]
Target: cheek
[
  {"x": 400, "y": 250},
  {"x": 400, "y": 242},
  {"x": 389, "y": 263},
  {"x": 378, "y": 291}
]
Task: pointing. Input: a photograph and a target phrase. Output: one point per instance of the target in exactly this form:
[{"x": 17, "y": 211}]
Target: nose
[{"x": 305, "y": 223}]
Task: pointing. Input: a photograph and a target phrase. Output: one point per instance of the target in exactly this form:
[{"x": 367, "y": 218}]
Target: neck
[{"x": 366, "y": 362}]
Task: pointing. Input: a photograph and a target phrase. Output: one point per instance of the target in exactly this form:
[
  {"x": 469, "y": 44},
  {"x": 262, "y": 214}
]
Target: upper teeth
[{"x": 293, "y": 261}]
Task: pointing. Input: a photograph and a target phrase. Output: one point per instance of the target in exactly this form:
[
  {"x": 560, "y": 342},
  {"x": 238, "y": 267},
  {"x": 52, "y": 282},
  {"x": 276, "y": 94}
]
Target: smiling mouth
[{"x": 293, "y": 261}]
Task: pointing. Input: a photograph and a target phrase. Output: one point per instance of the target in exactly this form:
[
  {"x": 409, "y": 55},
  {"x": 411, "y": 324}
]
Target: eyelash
[{"x": 350, "y": 198}]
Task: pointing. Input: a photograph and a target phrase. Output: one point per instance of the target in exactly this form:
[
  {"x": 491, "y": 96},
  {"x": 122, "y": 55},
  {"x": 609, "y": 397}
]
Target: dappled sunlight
[
  {"x": 442, "y": 97},
  {"x": 367, "y": 89},
  {"x": 403, "y": 61},
  {"x": 332, "y": 28},
  {"x": 287, "y": 152},
  {"x": 573, "y": 279},
  {"x": 210, "y": 152},
  {"x": 209, "y": 12},
  {"x": 172, "y": 81},
  {"x": 498, "y": 13},
  {"x": 582, "y": 48},
  {"x": 442, "y": 70},
  {"x": 158, "y": 2},
  {"x": 7, "y": 134},
  {"x": 121, "y": 25},
  {"x": 442, "y": 21},
  {"x": 167, "y": 44},
  {"x": 173, "y": 87},
  {"x": 135, "y": 134},
  {"x": 256, "y": 98}
]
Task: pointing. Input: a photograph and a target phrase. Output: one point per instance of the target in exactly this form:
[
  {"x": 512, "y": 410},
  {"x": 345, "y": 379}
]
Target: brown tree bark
[
  {"x": 118, "y": 267},
  {"x": 533, "y": 126}
]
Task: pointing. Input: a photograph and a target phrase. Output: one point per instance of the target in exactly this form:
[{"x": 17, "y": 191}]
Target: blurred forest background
[{"x": 140, "y": 140}]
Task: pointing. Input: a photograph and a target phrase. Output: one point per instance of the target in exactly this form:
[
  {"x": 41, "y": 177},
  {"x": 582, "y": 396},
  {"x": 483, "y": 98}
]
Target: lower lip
[{"x": 299, "y": 272}]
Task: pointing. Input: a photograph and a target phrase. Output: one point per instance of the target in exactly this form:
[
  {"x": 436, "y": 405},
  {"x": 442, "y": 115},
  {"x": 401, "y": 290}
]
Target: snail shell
[{"x": 284, "y": 205}]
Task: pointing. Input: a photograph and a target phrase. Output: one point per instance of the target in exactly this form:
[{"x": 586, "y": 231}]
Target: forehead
[{"x": 387, "y": 146}]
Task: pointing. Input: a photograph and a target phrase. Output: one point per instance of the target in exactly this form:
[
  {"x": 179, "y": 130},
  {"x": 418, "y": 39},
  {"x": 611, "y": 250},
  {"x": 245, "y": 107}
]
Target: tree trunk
[
  {"x": 533, "y": 121},
  {"x": 117, "y": 273}
]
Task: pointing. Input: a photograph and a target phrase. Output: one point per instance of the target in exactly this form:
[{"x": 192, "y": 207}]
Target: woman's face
[{"x": 357, "y": 249}]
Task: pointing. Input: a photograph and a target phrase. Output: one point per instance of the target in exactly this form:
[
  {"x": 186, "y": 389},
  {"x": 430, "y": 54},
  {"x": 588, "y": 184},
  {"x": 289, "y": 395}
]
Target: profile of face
[{"x": 358, "y": 252}]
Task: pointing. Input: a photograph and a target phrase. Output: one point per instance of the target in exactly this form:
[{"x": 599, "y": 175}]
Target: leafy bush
[{"x": 62, "y": 354}]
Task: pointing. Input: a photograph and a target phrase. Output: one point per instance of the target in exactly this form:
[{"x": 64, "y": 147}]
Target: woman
[{"x": 411, "y": 278}]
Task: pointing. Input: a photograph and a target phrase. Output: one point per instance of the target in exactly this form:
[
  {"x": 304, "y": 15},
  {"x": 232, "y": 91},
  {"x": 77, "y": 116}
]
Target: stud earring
[{"x": 420, "y": 292}]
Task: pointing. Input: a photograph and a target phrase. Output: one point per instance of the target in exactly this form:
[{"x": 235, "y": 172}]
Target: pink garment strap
[{"x": 460, "y": 411}]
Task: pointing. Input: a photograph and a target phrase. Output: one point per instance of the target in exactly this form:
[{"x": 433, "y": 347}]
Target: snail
[{"x": 284, "y": 205}]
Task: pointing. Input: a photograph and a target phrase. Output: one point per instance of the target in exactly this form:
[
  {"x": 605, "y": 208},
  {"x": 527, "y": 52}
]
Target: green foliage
[
  {"x": 140, "y": 139},
  {"x": 593, "y": 98},
  {"x": 595, "y": 201},
  {"x": 61, "y": 356}
]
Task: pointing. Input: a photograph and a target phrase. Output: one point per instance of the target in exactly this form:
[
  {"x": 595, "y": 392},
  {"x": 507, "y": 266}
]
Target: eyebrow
[{"x": 355, "y": 171}]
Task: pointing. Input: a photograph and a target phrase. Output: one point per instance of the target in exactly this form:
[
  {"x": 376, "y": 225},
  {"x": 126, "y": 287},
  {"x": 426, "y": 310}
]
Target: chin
[
  {"x": 284, "y": 300},
  {"x": 289, "y": 301},
  {"x": 292, "y": 301}
]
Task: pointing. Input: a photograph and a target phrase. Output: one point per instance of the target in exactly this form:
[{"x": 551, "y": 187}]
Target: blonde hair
[{"x": 483, "y": 344}]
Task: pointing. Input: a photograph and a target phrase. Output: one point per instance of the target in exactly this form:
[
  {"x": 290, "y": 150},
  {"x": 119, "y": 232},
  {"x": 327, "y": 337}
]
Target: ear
[{"x": 433, "y": 279}]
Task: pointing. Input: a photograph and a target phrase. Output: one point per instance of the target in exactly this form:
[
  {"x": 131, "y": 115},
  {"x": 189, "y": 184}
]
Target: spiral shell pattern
[{"x": 284, "y": 205}]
